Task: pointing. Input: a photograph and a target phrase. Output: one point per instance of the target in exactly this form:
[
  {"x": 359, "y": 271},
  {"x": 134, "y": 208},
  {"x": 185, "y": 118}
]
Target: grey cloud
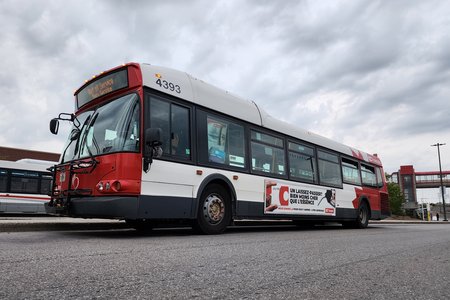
[{"x": 380, "y": 56}]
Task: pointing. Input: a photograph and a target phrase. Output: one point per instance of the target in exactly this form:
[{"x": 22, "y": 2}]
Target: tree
[{"x": 396, "y": 199}]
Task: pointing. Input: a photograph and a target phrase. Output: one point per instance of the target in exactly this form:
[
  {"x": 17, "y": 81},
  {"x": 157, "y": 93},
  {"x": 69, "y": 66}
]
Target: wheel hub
[{"x": 214, "y": 209}]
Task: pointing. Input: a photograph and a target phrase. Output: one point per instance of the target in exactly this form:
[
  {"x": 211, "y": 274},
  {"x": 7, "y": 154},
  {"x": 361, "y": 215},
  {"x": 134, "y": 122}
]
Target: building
[
  {"x": 410, "y": 180},
  {"x": 15, "y": 154}
]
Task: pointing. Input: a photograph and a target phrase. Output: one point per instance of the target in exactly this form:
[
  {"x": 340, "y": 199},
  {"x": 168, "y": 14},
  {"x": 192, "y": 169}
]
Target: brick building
[{"x": 14, "y": 154}]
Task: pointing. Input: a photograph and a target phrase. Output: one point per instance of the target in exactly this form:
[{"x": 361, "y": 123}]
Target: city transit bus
[
  {"x": 24, "y": 186},
  {"x": 151, "y": 144}
]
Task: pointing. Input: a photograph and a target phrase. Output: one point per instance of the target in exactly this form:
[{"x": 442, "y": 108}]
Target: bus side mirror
[
  {"x": 153, "y": 137},
  {"x": 54, "y": 126},
  {"x": 152, "y": 147}
]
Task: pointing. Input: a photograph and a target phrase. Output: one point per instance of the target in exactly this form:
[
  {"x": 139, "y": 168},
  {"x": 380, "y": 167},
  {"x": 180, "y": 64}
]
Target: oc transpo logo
[
  {"x": 284, "y": 195},
  {"x": 75, "y": 181}
]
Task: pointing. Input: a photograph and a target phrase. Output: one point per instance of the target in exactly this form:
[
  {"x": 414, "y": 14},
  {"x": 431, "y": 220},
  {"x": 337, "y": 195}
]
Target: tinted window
[
  {"x": 350, "y": 171},
  {"x": 174, "y": 122},
  {"x": 226, "y": 142},
  {"x": 302, "y": 162},
  {"x": 160, "y": 118},
  {"x": 46, "y": 184},
  {"x": 379, "y": 177},
  {"x": 3, "y": 180},
  {"x": 329, "y": 169},
  {"x": 180, "y": 133},
  {"x": 268, "y": 139},
  {"x": 368, "y": 175},
  {"x": 265, "y": 157},
  {"x": 24, "y": 182}
]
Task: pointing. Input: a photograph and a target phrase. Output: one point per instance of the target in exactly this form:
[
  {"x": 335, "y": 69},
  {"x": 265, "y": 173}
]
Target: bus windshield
[{"x": 112, "y": 127}]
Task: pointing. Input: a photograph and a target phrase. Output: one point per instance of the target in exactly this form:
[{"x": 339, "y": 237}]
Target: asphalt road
[{"x": 382, "y": 262}]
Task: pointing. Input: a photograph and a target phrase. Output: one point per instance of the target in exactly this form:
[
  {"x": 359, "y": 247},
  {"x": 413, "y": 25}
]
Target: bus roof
[
  {"x": 187, "y": 87},
  {"x": 26, "y": 165}
]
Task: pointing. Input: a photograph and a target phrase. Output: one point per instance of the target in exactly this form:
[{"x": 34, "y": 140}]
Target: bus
[
  {"x": 150, "y": 144},
  {"x": 24, "y": 186}
]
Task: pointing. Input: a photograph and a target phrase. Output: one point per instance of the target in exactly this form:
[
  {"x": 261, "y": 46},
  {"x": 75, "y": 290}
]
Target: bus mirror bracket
[
  {"x": 152, "y": 146},
  {"x": 54, "y": 123}
]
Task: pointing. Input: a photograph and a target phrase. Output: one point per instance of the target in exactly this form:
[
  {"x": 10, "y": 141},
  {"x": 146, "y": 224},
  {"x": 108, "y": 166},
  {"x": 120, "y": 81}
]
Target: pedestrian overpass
[{"x": 410, "y": 180}]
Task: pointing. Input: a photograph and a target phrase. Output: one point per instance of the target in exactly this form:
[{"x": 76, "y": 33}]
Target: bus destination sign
[{"x": 102, "y": 86}]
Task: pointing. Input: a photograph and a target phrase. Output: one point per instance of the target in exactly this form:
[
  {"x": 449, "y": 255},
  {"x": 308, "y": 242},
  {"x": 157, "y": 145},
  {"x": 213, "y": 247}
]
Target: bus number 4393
[{"x": 168, "y": 85}]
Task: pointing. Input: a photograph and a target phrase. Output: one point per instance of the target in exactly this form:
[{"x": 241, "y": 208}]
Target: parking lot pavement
[
  {"x": 14, "y": 223},
  {"x": 35, "y": 223}
]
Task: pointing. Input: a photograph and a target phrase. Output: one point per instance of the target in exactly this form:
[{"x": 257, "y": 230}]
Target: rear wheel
[
  {"x": 362, "y": 219},
  {"x": 214, "y": 210},
  {"x": 363, "y": 215}
]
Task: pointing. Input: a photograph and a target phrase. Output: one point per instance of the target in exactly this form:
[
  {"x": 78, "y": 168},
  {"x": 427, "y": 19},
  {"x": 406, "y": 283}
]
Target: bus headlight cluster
[{"x": 107, "y": 186}]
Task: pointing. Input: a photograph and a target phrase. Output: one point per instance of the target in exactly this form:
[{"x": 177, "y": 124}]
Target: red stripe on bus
[{"x": 25, "y": 197}]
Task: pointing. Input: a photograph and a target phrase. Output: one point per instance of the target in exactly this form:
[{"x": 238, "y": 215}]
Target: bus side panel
[
  {"x": 167, "y": 191},
  {"x": 165, "y": 207}
]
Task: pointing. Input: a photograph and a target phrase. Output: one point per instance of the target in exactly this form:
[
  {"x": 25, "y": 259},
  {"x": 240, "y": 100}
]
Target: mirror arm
[{"x": 148, "y": 159}]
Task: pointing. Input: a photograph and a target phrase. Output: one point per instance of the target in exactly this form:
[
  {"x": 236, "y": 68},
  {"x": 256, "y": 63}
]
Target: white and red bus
[
  {"x": 151, "y": 144},
  {"x": 24, "y": 186}
]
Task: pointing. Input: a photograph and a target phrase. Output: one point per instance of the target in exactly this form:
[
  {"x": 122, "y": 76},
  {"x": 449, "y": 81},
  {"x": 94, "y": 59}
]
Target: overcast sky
[{"x": 374, "y": 75}]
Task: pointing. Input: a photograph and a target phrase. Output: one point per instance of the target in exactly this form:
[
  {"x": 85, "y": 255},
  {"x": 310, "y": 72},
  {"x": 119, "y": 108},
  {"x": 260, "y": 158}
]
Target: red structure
[{"x": 410, "y": 180}]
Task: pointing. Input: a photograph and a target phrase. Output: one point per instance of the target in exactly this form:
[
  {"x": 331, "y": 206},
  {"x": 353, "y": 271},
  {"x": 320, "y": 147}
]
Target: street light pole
[{"x": 440, "y": 173}]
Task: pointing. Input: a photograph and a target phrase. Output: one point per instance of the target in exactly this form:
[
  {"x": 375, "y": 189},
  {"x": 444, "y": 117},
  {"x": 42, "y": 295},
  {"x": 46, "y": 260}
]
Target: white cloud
[{"x": 372, "y": 75}]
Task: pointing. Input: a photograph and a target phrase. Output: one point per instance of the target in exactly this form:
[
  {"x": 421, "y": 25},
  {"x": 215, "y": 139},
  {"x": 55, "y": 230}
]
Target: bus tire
[
  {"x": 362, "y": 220},
  {"x": 214, "y": 210},
  {"x": 362, "y": 217}
]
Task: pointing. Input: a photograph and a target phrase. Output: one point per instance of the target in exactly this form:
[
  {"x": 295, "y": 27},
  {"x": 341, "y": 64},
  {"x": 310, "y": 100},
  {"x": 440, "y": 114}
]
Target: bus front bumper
[{"x": 96, "y": 207}]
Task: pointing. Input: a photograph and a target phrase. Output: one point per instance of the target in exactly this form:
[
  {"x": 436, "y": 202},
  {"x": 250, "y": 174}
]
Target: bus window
[
  {"x": 368, "y": 175},
  {"x": 24, "y": 182},
  {"x": 3, "y": 180},
  {"x": 329, "y": 170},
  {"x": 108, "y": 127},
  {"x": 302, "y": 162},
  {"x": 46, "y": 184},
  {"x": 174, "y": 122},
  {"x": 350, "y": 171},
  {"x": 160, "y": 118},
  {"x": 180, "y": 133},
  {"x": 380, "y": 183},
  {"x": 267, "y": 154},
  {"x": 226, "y": 142}
]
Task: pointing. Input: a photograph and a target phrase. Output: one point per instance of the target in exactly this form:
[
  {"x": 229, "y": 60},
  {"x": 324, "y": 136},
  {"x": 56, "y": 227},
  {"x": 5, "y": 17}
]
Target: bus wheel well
[
  {"x": 366, "y": 201},
  {"x": 363, "y": 215},
  {"x": 220, "y": 180},
  {"x": 224, "y": 185}
]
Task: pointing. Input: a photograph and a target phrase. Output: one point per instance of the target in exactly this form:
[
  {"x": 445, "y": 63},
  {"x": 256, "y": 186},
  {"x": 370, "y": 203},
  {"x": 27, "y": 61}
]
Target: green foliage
[{"x": 396, "y": 198}]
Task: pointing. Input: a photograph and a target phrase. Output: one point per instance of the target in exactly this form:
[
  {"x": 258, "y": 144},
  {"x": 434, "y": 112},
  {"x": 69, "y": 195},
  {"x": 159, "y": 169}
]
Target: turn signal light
[{"x": 107, "y": 186}]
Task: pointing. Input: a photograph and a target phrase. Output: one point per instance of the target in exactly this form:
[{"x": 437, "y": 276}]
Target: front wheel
[{"x": 214, "y": 210}]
